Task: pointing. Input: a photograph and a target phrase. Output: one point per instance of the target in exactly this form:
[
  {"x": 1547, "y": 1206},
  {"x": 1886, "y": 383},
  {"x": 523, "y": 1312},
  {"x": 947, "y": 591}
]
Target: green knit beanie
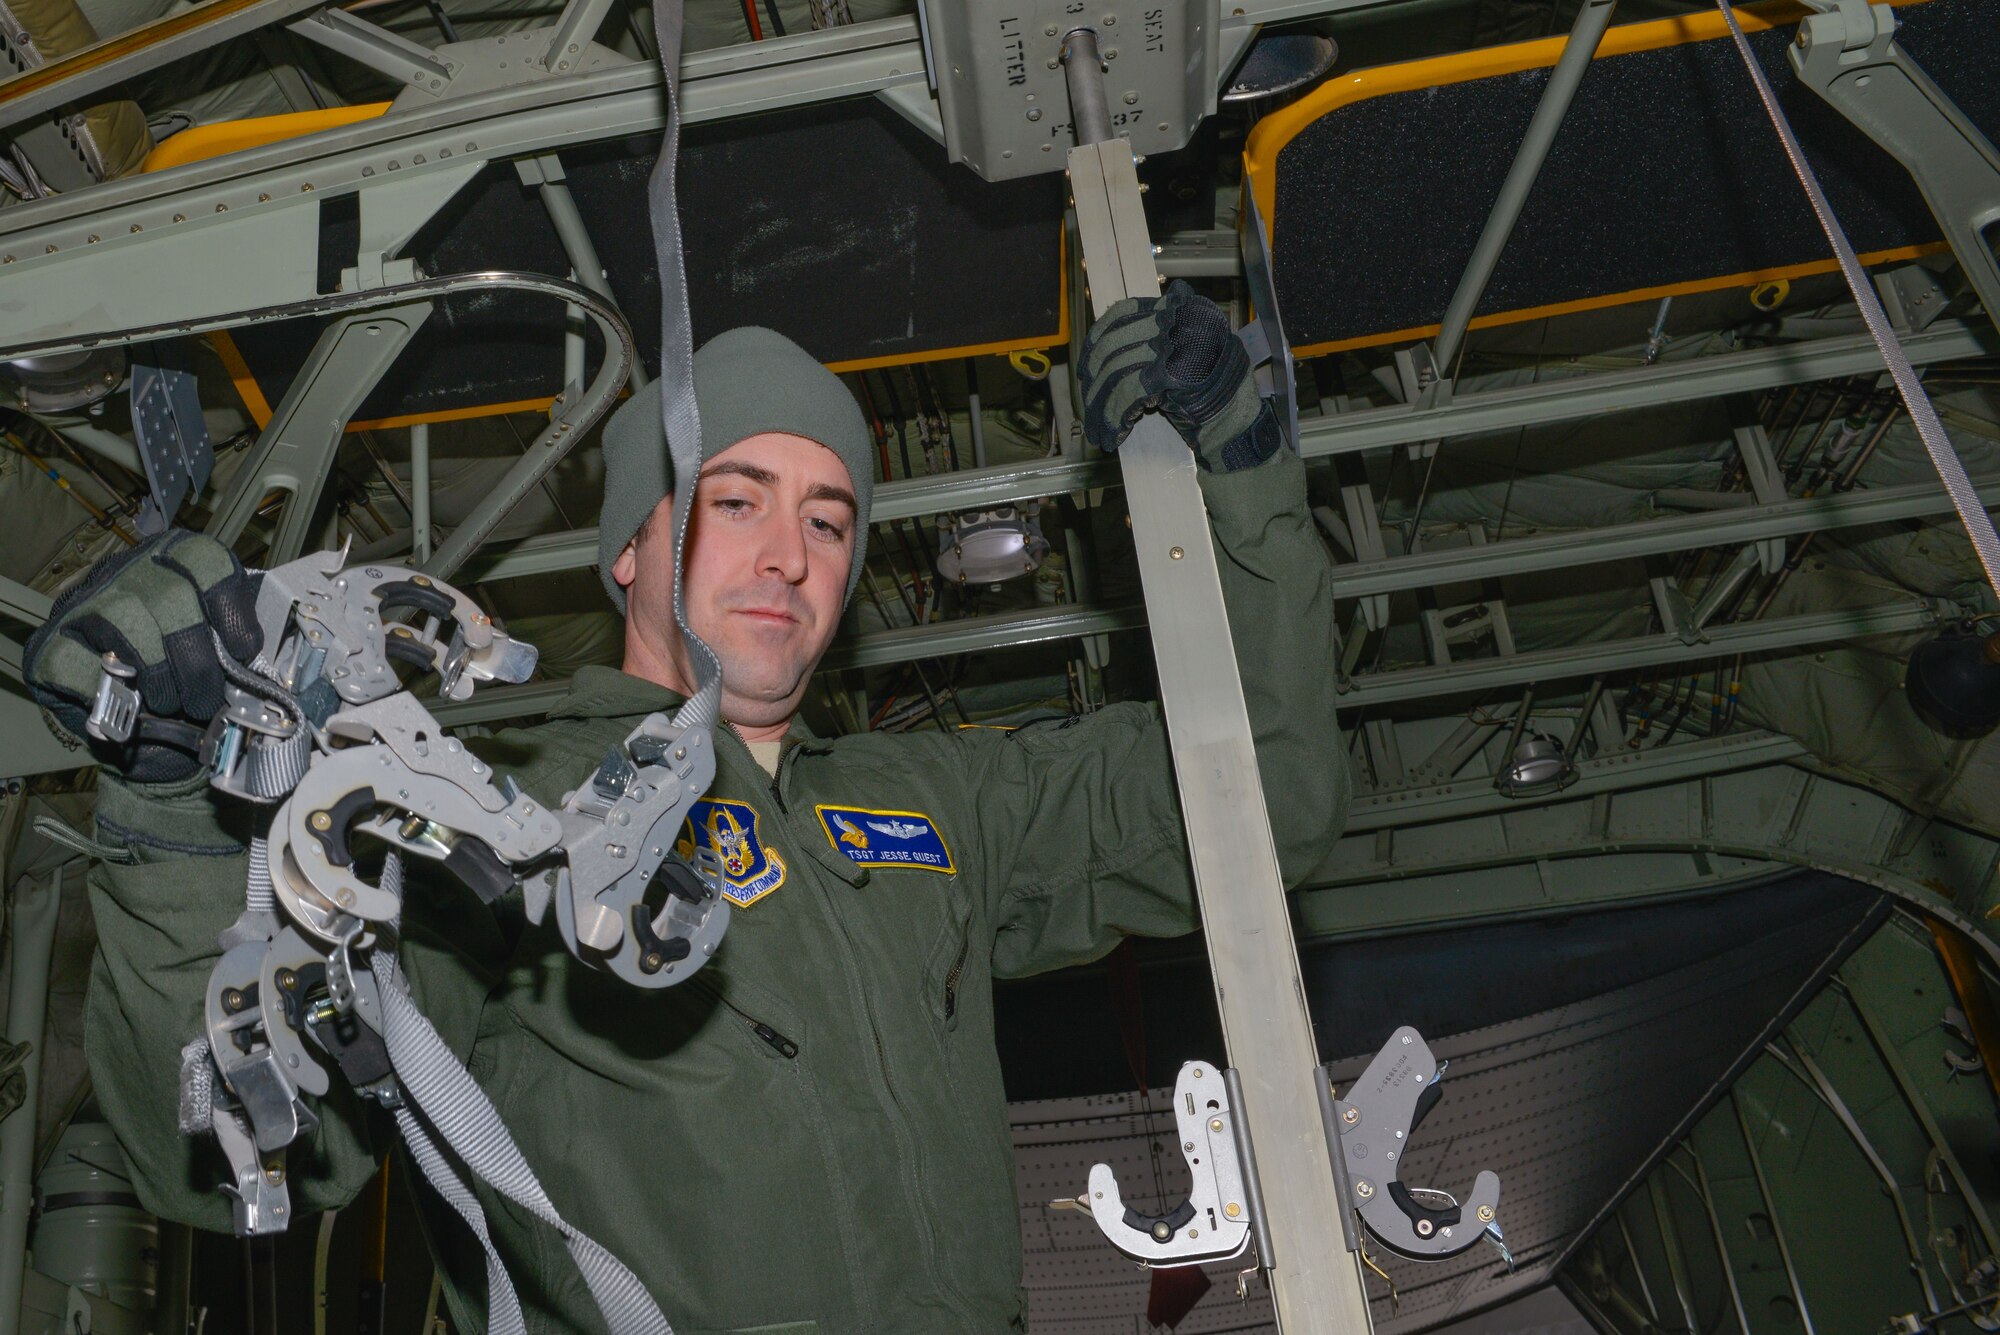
[{"x": 746, "y": 382}]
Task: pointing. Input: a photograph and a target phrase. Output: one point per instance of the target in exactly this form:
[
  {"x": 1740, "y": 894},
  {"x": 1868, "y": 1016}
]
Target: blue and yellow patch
[
  {"x": 885, "y": 838},
  {"x": 749, "y": 870}
]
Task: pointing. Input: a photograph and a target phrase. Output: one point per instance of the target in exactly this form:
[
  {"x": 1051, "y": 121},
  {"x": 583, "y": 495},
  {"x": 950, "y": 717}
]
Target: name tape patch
[
  {"x": 885, "y": 838},
  {"x": 749, "y": 870}
]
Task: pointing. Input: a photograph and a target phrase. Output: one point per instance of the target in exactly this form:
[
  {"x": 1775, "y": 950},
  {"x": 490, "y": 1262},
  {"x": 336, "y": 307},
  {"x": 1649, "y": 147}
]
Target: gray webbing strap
[
  {"x": 677, "y": 404},
  {"x": 273, "y": 766},
  {"x": 1978, "y": 524},
  {"x": 450, "y": 1102},
  {"x": 259, "y": 895},
  {"x": 503, "y": 1304}
]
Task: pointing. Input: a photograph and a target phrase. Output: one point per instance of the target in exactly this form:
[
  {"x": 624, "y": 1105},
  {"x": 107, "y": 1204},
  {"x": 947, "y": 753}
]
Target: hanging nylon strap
[
  {"x": 1950, "y": 469},
  {"x": 444, "y": 1106},
  {"x": 682, "y": 417}
]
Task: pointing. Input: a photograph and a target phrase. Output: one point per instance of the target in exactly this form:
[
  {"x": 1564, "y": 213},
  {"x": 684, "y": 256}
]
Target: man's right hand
[{"x": 161, "y": 608}]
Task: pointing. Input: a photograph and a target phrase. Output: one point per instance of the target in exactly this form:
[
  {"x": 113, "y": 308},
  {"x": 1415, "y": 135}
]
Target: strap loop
[{"x": 677, "y": 402}]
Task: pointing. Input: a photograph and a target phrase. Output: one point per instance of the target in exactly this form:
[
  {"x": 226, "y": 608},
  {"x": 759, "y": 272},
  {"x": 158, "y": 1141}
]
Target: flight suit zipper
[
  {"x": 777, "y": 777},
  {"x": 906, "y": 1144},
  {"x": 957, "y": 971},
  {"x": 783, "y": 1046},
  {"x": 908, "y": 1147},
  {"x": 778, "y": 1042}
]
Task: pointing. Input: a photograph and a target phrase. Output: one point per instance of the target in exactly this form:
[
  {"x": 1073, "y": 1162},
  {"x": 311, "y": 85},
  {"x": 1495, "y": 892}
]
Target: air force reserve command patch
[
  {"x": 749, "y": 870},
  {"x": 886, "y": 838}
]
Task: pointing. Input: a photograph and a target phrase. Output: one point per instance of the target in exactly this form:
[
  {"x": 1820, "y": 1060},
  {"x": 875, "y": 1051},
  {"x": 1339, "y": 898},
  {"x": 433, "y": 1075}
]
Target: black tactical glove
[
  {"x": 160, "y": 607},
  {"x": 1175, "y": 353}
]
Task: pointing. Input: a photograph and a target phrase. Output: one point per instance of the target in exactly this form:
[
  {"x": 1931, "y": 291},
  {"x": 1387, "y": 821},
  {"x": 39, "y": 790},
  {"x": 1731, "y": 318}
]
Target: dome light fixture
[
  {"x": 1280, "y": 63},
  {"x": 991, "y": 546},
  {"x": 1538, "y": 765},
  {"x": 65, "y": 381}
]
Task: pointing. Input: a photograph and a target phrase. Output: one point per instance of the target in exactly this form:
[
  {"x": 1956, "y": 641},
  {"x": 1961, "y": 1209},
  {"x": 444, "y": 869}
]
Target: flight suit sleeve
[
  {"x": 1082, "y": 817},
  {"x": 176, "y": 882}
]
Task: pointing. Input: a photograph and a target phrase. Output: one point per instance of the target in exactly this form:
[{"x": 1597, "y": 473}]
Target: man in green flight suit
[{"x": 811, "y": 1133}]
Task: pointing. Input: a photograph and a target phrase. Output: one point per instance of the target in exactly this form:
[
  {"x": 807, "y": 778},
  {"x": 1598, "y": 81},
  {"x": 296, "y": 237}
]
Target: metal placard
[
  {"x": 170, "y": 432},
  {"x": 999, "y": 77}
]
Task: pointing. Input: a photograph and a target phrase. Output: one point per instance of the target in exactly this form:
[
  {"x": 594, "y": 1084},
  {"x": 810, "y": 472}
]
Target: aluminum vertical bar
[
  {"x": 1892, "y": 1062},
  {"x": 1520, "y": 725},
  {"x": 1584, "y": 36},
  {"x": 1315, "y": 1284},
  {"x": 1721, "y": 1247},
  {"x": 1670, "y": 1247},
  {"x": 296, "y": 450},
  {"x": 545, "y": 172},
  {"x": 420, "y": 492},
  {"x": 1638, "y": 1270},
  {"x": 974, "y": 415},
  {"x": 33, "y": 927},
  {"x": 1771, "y": 1213},
  {"x": 175, "y": 1272},
  {"x": 1815, "y": 1079},
  {"x": 574, "y": 30}
]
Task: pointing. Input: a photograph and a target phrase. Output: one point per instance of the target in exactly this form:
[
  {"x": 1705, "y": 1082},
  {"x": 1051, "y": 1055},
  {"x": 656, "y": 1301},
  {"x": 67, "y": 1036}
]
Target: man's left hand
[{"x": 1175, "y": 353}]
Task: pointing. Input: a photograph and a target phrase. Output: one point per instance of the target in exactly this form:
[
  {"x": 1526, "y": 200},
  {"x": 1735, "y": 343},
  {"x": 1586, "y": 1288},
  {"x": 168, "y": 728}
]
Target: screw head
[
  {"x": 1161, "y": 1231},
  {"x": 1232, "y": 1209},
  {"x": 1364, "y": 1189},
  {"x": 322, "y": 821},
  {"x": 1350, "y": 1115},
  {"x": 1176, "y": 553},
  {"x": 1485, "y": 1214},
  {"x": 1215, "y": 1124},
  {"x": 1425, "y": 1228}
]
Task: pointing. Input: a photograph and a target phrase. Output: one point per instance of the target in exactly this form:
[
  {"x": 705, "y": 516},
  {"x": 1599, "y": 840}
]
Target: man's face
[{"x": 770, "y": 541}]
